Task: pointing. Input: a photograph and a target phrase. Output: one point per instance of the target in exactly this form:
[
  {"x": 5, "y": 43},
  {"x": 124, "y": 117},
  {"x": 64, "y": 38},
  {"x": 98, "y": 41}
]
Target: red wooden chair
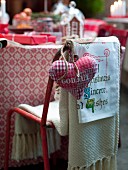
[
  {"x": 121, "y": 34},
  {"x": 42, "y": 121},
  {"x": 105, "y": 30}
]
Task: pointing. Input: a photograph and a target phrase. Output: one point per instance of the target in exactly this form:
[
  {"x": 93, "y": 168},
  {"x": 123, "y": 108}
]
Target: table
[
  {"x": 23, "y": 78},
  {"x": 121, "y": 23}
]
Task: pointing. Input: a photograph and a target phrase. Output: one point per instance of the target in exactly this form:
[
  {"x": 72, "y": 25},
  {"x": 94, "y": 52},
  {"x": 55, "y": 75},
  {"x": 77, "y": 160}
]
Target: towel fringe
[
  {"x": 108, "y": 163},
  {"x": 28, "y": 146}
]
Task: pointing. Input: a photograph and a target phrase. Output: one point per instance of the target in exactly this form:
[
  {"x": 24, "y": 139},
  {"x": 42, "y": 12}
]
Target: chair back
[
  {"x": 121, "y": 34},
  {"x": 105, "y": 30}
]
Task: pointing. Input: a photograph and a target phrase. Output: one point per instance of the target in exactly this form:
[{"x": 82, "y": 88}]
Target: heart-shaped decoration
[{"x": 71, "y": 82}]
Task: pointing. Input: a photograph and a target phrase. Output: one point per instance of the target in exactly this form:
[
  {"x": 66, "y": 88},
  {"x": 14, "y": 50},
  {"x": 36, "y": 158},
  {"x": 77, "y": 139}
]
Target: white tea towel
[
  {"x": 101, "y": 97},
  {"x": 92, "y": 145},
  {"x": 27, "y": 139}
]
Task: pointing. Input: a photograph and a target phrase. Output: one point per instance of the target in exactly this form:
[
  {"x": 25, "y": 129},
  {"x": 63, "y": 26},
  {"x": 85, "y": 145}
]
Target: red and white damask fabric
[{"x": 23, "y": 78}]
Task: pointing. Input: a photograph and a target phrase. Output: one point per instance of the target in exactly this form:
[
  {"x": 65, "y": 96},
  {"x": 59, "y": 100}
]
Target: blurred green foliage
[{"x": 90, "y": 8}]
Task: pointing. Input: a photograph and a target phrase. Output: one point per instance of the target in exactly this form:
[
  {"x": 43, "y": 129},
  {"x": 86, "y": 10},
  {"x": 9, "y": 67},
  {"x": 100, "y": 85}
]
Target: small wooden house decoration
[{"x": 73, "y": 22}]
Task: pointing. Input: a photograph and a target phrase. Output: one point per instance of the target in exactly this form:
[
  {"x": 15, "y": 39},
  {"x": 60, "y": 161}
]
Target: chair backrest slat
[{"x": 49, "y": 91}]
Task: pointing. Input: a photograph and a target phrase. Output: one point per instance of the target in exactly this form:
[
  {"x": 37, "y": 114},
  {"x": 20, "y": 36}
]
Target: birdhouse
[{"x": 73, "y": 22}]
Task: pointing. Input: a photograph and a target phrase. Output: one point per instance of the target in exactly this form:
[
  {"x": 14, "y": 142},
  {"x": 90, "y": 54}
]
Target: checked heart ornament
[{"x": 73, "y": 82}]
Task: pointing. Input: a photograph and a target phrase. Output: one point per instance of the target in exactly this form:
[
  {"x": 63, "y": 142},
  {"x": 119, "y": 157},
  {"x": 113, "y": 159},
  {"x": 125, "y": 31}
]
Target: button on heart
[{"x": 71, "y": 82}]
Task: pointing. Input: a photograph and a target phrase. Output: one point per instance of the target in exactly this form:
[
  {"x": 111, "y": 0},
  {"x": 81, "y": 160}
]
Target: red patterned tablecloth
[{"x": 23, "y": 78}]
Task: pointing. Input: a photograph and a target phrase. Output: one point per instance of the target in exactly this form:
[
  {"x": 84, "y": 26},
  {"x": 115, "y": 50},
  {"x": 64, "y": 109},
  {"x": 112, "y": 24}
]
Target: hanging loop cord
[
  {"x": 70, "y": 47},
  {"x": 66, "y": 63},
  {"x": 72, "y": 54}
]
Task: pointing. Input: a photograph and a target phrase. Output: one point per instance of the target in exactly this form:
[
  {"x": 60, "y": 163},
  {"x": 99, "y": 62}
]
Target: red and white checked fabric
[{"x": 72, "y": 82}]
